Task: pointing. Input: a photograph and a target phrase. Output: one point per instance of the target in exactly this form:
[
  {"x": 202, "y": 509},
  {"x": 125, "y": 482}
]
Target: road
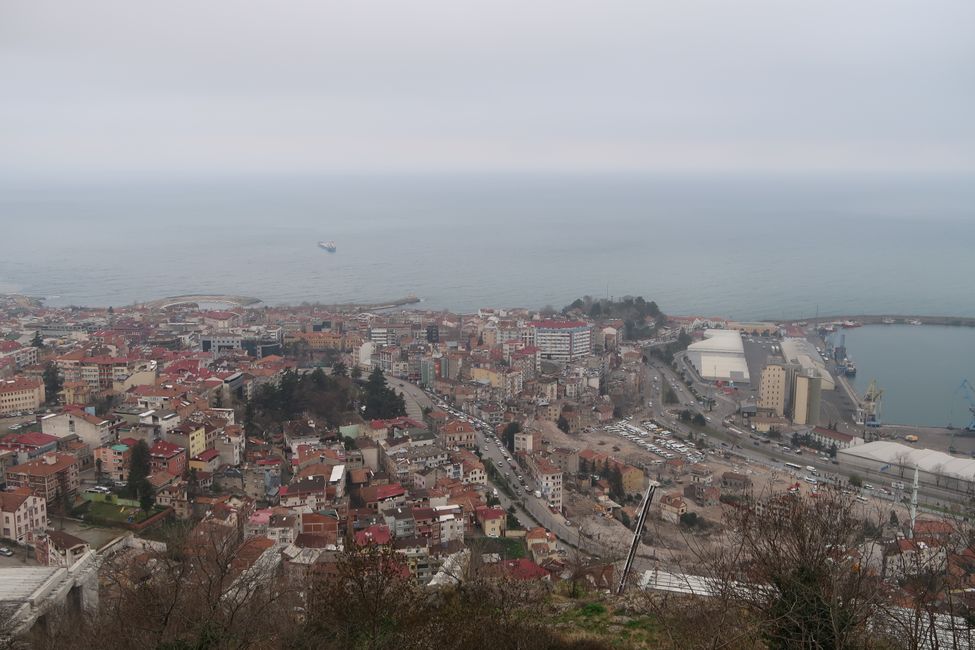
[{"x": 529, "y": 510}]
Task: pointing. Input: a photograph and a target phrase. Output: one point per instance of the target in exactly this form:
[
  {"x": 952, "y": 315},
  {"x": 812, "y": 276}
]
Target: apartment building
[
  {"x": 47, "y": 477},
  {"x": 20, "y": 394},
  {"x": 22, "y": 515},
  {"x": 559, "y": 341}
]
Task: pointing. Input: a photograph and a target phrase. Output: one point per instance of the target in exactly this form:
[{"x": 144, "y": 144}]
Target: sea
[
  {"x": 735, "y": 246},
  {"x": 919, "y": 368},
  {"x": 739, "y": 247}
]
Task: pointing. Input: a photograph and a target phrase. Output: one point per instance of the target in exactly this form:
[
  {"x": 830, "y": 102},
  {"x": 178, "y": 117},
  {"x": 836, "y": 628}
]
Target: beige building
[
  {"x": 21, "y": 394},
  {"x": 807, "y": 397},
  {"x": 775, "y": 390}
]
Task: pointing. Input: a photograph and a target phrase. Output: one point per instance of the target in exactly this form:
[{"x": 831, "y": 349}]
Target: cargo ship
[{"x": 327, "y": 245}]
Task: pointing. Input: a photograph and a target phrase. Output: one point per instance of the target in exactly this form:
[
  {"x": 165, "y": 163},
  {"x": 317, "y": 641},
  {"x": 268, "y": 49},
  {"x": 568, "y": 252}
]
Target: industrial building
[
  {"x": 806, "y": 398},
  {"x": 720, "y": 356},
  {"x": 886, "y": 462},
  {"x": 804, "y": 353},
  {"x": 776, "y": 388}
]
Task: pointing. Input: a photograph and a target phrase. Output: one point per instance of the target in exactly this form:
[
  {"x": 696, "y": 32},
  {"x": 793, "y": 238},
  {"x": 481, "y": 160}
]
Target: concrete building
[
  {"x": 803, "y": 352},
  {"x": 114, "y": 461},
  {"x": 559, "y": 341},
  {"x": 94, "y": 430},
  {"x": 29, "y": 594},
  {"x": 22, "y": 515},
  {"x": 21, "y": 394},
  {"x": 808, "y": 388},
  {"x": 48, "y": 477},
  {"x": 828, "y": 437},
  {"x": 775, "y": 389},
  {"x": 720, "y": 356}
]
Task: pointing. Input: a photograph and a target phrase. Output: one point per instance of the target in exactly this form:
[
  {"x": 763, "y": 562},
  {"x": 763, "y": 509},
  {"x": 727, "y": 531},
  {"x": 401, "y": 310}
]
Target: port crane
[
  {"x": 868, "y": 413},
  {"x": 968, "y": 392}
]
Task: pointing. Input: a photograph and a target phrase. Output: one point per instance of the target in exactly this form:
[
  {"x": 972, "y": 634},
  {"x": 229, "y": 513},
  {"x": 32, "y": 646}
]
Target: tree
[
  {"x": 381, "y": 401},
  {"x": 147, "y": 498},
  {"x": 616, "y": 490},
  {"x": 699, "y": 420},
  {"x": 98, "y": 471},
  {"x": 339, "y": 369},
  {"x": 856, "y": 481},
  {"x": 508, "y": 435},
  {"x": 52, "y": 382},
  {"x": 38, "y": 340},
  {"x": 140, "y": 465},
  {"x": 832, "y": 450},
  {"x": 788, "y": 578},
  {"x": 563, "y": 424},
  {"x": 356, "y": 372}
]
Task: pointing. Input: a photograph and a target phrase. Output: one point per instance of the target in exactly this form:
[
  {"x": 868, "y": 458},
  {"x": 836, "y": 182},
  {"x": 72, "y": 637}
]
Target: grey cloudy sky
[{"x": 226, "y": 86}]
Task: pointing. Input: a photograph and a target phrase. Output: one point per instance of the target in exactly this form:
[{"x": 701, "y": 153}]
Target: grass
[
  {"x": 112, "y": 513},
  {"x": 508, "y": 547},
  {"x": 600, "y": 622}
]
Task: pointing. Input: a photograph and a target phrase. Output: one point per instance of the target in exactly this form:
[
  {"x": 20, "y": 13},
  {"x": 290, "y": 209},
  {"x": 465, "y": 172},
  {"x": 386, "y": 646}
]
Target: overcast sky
[{"x": 308, "y": 86}]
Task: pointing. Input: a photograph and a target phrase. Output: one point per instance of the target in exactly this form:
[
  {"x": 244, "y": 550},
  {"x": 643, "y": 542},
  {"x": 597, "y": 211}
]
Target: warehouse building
[
  {"x": 891, "y": 462},
  {"x": 720, "y": 356}
]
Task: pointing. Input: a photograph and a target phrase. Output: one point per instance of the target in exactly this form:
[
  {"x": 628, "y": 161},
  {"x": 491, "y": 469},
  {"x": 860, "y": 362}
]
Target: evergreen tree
[
  {"x": 563, "y": 424},
  {"x": 509, "y": 435},
  {"x": 140, "y": 465},
  {"x": 52, "y": 382},
  {"x": 38, "y": 340},
  {"x": 339, "y": 369}
]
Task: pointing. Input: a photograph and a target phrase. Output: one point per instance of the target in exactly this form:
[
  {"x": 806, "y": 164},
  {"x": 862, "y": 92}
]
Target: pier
[{"x": 191, "y": 299}]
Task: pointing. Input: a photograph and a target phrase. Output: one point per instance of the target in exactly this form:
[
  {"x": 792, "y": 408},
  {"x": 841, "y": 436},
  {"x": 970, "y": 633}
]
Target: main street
[{"x": 529, "y": 509}]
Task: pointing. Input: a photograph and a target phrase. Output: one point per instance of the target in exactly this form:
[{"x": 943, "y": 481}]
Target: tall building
[
  {"x": 560, "y": 341},
  {"x": 808, "y": 389},
  {"x": 775, "y": 390}
]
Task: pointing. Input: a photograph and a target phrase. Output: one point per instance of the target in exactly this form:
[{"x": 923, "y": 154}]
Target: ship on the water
[{"x": 327, "y": 245}]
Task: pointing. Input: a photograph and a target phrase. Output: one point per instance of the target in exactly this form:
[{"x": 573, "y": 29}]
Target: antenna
[{"x": 914, "y": 502}]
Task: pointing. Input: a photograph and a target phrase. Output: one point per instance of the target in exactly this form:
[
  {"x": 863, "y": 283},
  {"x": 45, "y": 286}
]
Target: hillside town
[{"x": 519, "y": 441}]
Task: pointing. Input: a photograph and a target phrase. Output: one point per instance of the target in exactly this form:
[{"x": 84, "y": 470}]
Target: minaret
[{"x": 913, "y": 503}]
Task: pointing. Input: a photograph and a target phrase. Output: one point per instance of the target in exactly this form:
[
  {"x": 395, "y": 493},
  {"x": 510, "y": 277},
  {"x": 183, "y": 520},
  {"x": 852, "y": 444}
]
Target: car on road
[{"x": 6, "y": 552}]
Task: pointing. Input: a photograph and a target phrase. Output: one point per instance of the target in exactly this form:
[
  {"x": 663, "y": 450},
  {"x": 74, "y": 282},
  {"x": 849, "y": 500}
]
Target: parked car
[{"x": 6, "y": 552}]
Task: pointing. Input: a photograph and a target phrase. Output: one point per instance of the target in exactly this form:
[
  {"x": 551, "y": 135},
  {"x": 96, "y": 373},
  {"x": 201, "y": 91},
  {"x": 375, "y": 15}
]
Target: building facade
[
  {"x": 21, "y": 395},
  {"x": 559, "y": 341}
]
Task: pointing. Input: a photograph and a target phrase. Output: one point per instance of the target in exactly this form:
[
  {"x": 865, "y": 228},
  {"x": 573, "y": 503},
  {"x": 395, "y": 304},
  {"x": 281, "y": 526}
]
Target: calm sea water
[
  {"x": 739, "y": 247},
  {"x": 919, "y": 369}
]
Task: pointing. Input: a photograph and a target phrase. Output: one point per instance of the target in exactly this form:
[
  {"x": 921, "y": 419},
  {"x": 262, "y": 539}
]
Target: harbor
[{"x": 908, "y": 384}]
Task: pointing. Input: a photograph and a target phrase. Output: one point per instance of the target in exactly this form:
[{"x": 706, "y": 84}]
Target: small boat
[
  {"x": 914, "y": 322},
  {"x": 327, "y": 245},
  {"x": 887, "y": 321},
  {"x": 849, "y": 324}
]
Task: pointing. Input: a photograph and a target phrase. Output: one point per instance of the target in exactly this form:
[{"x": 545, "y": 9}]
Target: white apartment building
[{"x": 560, "y": 341}]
